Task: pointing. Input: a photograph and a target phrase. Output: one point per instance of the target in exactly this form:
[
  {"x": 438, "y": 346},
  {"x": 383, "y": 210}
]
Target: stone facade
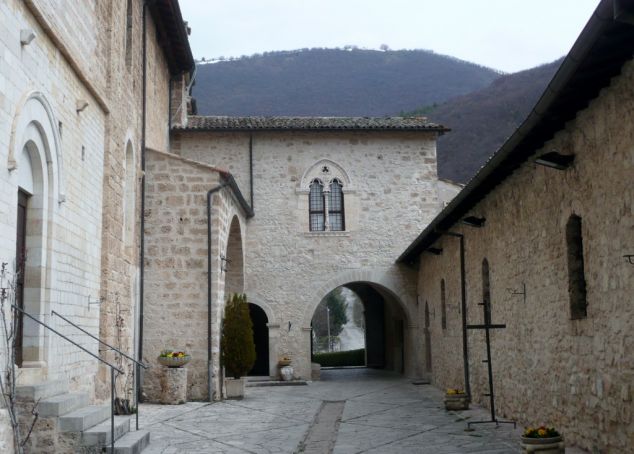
[
  {"x": 390, "y": 184},
  {"x": 548, "y": 367},
  {"x": 176, "y": 310},
  {"x": 57, "y": 154},
  {"x": 70, "y": 134}
]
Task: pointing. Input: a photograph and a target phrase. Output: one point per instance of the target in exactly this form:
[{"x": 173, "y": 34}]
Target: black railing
[
  {"x": 137, "y": 364},
  {"x": 112, "y": 367}
]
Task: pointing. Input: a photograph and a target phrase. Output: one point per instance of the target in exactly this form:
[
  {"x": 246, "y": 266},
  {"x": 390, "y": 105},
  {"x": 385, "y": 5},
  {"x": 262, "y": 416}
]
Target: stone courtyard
[{"x": 382, "y": 413}]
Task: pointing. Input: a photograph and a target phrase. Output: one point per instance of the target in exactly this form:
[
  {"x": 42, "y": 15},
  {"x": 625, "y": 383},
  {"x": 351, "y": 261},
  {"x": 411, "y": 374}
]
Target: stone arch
[
  {"x": 35, "y": 153},
  {"x": 36, "y": 112},
  {"x": 316, "y": 172},
  {"x": 393, "y": 347},
  {"x": 233, "y": 261},
  {"x": 273, "y": 332},
  {"x": 386, "y": 282},
  {"x": 268, "y": 310}
]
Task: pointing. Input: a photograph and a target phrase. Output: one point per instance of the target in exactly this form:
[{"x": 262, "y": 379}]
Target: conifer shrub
[{"x": 237, "y": 346}]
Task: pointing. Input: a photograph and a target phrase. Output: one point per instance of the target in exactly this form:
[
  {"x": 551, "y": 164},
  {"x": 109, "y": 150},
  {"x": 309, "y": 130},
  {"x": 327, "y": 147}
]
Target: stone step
[
  {"x": 262, "y": 383},
  {"x": 100, "y": 434},
  {"x": 131, "y": 443},
  {"x": 82, "y": 419},
  {"x": 42, "y": 390},
  {"x": 62, "y": 404}
]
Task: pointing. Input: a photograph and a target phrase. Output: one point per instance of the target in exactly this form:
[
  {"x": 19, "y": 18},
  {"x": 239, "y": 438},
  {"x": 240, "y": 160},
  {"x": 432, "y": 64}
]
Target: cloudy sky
[{"x": 508, "y": 35}]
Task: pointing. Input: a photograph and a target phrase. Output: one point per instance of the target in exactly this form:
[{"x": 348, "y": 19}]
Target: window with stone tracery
[{"x": 326, "y": 185}]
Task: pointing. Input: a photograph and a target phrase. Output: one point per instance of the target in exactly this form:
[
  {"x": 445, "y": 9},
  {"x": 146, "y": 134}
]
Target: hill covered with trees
[
  {"x": 481, "y": 121},
  {"x": 334, "y": 82},
  {"x": 481, "y": 106}
]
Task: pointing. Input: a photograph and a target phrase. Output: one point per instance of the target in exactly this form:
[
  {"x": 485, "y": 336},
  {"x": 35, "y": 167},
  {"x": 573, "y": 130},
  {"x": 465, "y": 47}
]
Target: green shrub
[
  {"x": 237, "y": 347},
  {"x": 339, "y": 359}
]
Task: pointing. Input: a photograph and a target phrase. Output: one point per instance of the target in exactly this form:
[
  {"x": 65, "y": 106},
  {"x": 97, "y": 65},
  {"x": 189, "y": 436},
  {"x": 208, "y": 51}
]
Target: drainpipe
[
  {"x": 251, "y": 167},
  {"x": 210, "y": 193},
  {"x": 463, "y": 295},
  {"x": 142, "y": 211}
]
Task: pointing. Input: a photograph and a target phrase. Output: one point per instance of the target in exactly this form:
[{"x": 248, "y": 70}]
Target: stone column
[
  {"x": 174, "y": 385},
  {"x": 274, "y": 335}
]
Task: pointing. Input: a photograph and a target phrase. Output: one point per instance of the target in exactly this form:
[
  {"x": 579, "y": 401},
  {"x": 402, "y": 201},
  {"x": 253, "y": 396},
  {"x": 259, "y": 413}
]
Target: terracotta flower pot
[
  {"x": 550, "y": 445},
  {"x": 174, "y": 361}
]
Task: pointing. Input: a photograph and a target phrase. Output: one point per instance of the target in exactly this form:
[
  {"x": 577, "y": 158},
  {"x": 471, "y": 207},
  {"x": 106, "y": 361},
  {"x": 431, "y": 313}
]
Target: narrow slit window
[
  {"x": 443, "y": 304},
  {"x": 316, "y": 207},
  {"x": 576, "y": 273},
  {"x": 335, "y": 207}
]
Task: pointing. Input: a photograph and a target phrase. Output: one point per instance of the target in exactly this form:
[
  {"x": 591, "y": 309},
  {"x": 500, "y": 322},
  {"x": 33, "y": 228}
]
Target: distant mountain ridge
[
  {"x": 481, "y": 106},
  {"x": 481, "y": 121},
  {"x": 334, "y": 82}
]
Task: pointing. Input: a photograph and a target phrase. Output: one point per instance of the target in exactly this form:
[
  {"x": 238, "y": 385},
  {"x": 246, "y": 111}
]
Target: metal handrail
[
  {"x": 137, "y": 375},
  {"x": 112, "y": 367},
  {"x": 99, "y": 340}
]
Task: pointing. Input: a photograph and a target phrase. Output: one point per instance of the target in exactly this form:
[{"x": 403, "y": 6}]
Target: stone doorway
[
  {"x": 384, "y": 326},
  {"x": 261, "y": 340}
]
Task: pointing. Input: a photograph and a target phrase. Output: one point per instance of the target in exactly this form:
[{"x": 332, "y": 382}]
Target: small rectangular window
[{"x": 576, "y": 273}]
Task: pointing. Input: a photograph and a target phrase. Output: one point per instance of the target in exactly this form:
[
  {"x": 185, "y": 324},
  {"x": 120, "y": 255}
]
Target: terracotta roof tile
[{"x": 218, "y": 123}]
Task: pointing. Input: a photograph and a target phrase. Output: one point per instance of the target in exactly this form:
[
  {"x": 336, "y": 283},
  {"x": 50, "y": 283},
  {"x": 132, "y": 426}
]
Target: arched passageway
[
  {"x": 261, "y": 340},
  {"x": 233, "y": 261},
  {"x": 384, "y": 324}
]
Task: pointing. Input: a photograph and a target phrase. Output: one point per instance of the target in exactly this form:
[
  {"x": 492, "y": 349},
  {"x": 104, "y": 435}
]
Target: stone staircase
[{"x": 68, "y": 424}]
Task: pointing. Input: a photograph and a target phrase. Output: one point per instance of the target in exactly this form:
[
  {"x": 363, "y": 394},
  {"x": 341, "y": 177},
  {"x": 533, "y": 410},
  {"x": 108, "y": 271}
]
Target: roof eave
[{"x": 524, "y": 142}]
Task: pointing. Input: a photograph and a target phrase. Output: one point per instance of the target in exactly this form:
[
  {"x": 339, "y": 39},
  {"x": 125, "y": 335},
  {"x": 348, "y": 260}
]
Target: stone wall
[
  {"x": 82, "y": 51},
  {"x": 390, "y": 185},
  {"x": 548, "y": 368},
  {"x": 40, "y": 88},
  {"x": 176, "y": 310}
]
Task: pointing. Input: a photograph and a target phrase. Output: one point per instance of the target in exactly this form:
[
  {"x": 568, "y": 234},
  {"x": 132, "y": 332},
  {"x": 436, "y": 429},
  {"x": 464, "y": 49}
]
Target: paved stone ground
[{"x": 383, "y": 413}]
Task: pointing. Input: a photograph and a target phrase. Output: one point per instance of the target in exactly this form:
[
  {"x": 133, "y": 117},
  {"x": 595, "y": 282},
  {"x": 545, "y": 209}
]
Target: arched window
[
  {"x": 324, "y": 183},
  {"x": 335, "y": 207},
  {"x": 443, "y": 305},
  {"x": 576, "y": 274},
  {"x": 486, "y": 291},
  {"x": 317, "y": 206}
]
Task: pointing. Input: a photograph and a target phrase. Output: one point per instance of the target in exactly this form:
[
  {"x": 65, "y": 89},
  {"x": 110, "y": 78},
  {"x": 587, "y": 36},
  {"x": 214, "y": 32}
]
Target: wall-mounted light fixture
[
  {"x": 555, "y": 160},
  {"x": 474, "y": 221},
  {"x": 26, "y": 36}
]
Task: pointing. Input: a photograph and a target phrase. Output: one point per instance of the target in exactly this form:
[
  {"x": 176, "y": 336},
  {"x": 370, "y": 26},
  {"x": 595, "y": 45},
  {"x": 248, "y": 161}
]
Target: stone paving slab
[{"x": 383, "y": 413}]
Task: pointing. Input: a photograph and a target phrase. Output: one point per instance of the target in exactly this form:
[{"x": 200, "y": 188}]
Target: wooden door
[{"x": 20, "y": 257}]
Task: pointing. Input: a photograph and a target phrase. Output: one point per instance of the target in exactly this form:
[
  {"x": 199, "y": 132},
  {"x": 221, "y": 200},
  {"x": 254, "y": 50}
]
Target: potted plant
[
  {"x": 456, "y": 399},
  {"x": 542, "y": 440},
  {"x": 237, "y": 347},
  {"x": 286, "y": 370},
  {"x": 173, "y": 358}
]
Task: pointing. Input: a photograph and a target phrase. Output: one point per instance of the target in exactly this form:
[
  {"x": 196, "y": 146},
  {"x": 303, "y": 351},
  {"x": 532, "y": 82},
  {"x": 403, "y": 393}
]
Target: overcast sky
[{"x": 509, "y": 35}]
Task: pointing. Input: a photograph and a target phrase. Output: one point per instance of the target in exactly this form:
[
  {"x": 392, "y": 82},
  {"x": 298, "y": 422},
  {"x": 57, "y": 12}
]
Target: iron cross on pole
[{"x": 487, "y": 327}]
